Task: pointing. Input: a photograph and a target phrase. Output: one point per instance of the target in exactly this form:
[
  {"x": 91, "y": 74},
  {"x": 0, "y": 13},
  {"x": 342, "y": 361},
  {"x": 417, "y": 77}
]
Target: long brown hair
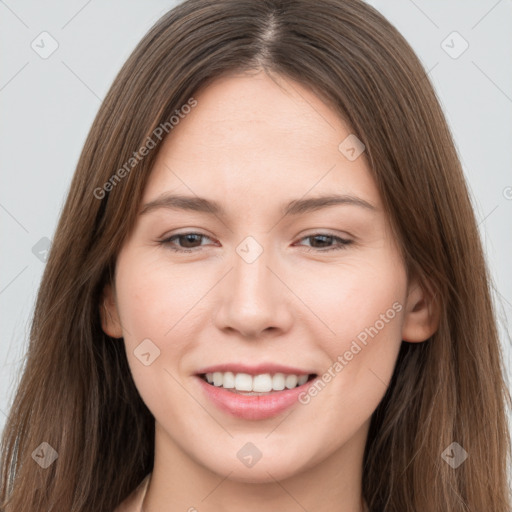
[{"x": 76, "y": 392}]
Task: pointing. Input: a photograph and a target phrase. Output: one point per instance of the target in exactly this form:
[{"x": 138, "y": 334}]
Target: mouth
[
  {"x": 254, "y": 397},
  {"x": 256, "y": 385}
]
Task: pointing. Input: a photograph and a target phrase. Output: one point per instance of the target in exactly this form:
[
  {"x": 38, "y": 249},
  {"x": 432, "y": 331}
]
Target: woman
[{"x": 196, "y": 346}]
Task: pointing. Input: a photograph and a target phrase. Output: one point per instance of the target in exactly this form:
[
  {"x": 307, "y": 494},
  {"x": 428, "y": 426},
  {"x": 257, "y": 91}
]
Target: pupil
[
  {"x": 189, "y": 238},
  {"x": 324, "y": 237}
]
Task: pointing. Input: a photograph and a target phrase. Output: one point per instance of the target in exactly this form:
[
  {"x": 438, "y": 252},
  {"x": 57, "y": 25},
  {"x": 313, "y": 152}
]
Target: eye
[
  {"x": 326, "y": 238},
  {"x": 190, "y": 240}
]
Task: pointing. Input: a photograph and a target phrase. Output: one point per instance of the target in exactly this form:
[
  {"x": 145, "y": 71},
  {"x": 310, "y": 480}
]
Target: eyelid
[
  {"x": 327, "y": 232},
  {"x": 166, "y": 238},
  {"x": 342, "y": 241}
]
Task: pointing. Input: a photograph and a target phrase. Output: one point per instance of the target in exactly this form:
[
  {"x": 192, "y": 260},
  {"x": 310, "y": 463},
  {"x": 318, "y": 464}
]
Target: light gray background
[{"x": 48, "y": 105}]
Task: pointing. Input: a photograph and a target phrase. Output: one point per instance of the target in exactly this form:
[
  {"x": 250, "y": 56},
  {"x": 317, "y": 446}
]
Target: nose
[{"x": 254, "y": 300}]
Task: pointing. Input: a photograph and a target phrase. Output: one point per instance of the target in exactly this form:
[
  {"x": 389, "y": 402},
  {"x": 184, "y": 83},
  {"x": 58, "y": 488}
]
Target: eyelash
[{"x": 342, "y": 242}]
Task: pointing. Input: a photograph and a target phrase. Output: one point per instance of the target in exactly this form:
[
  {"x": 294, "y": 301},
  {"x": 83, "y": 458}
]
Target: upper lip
[{"x": 254, "y": 369}]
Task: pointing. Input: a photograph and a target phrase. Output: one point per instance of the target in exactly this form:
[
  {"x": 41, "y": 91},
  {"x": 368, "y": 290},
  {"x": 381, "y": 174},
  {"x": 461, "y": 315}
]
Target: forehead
[{"x": 250, "y": 138}]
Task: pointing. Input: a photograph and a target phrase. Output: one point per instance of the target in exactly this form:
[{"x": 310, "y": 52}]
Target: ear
[
  {"x": 422, "y": 312},
  {"x": 110, "y": 322}
]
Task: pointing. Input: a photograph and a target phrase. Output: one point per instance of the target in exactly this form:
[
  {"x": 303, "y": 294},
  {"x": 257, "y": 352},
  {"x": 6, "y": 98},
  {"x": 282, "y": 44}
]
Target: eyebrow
[{"x": 295, "y": 207}]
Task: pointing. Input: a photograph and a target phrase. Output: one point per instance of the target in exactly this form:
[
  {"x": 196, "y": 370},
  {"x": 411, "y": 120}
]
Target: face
[{"x": 258, "y": 288}]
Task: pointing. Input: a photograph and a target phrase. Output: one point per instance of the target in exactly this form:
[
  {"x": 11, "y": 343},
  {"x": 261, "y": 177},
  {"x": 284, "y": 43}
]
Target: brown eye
[
  {"x": 324, "y": 240},
  {"x": 187, "y": 241}
]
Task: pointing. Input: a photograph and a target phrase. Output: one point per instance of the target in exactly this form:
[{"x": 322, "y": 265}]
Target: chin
[{"x": 269, "y": 468}]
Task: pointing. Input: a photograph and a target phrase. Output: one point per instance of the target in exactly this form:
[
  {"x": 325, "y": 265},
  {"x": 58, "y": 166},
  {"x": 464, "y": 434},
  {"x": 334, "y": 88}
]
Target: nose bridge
[
  {"x": 251, "y": 275},
  {"x": 252, "y": 298}
]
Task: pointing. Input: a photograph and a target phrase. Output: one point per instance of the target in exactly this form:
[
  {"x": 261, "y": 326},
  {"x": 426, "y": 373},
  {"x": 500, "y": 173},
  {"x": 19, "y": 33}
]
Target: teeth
[
  {"x": 217, "y": 379},
  {"x": 262, "y": 383},
  {"x": 278, "y": 381},
  {"x": 228, "y": 381},
  {"x": 243, "y": 382},
  {"x": 303, "y": 379},
  {"x": 291, "y": 381}
]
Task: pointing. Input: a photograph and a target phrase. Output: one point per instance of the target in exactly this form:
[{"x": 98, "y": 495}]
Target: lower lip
[{"x": 253, "y": 407}]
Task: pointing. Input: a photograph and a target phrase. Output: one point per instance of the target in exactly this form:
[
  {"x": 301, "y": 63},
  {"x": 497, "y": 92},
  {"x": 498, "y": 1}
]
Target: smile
[
  {"x": 253, "y": 397},
  {"x": 257, "y": 384}
]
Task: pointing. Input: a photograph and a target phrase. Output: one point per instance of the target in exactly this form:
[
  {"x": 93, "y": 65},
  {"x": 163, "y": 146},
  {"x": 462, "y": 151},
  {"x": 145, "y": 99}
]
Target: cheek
[
  {"x": 152, "y": 296},
  {"x": 149, "y": 305},
  {"x": 351, "y": 297},
  {"x": 361, "y": 305},
  {"x": 343, "y": 299}
]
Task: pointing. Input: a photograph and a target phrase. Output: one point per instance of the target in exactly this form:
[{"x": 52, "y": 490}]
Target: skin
[{"x": 253, "y": 147}]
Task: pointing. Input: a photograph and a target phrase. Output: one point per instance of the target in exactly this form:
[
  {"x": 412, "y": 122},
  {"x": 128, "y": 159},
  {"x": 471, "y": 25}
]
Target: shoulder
[{"x": 133, "y": 502}]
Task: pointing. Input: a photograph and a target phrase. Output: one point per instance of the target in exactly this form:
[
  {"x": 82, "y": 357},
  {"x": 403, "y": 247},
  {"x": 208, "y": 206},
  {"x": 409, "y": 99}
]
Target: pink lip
[
  {"x": 255, "y": 369},
  {"x": 253, "y": 407}
]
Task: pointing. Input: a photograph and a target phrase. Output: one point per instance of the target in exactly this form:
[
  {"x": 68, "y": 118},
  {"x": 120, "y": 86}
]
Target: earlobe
[
  {"x": 422, "y": 314},
  {"x": 109, "y": 315}
]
